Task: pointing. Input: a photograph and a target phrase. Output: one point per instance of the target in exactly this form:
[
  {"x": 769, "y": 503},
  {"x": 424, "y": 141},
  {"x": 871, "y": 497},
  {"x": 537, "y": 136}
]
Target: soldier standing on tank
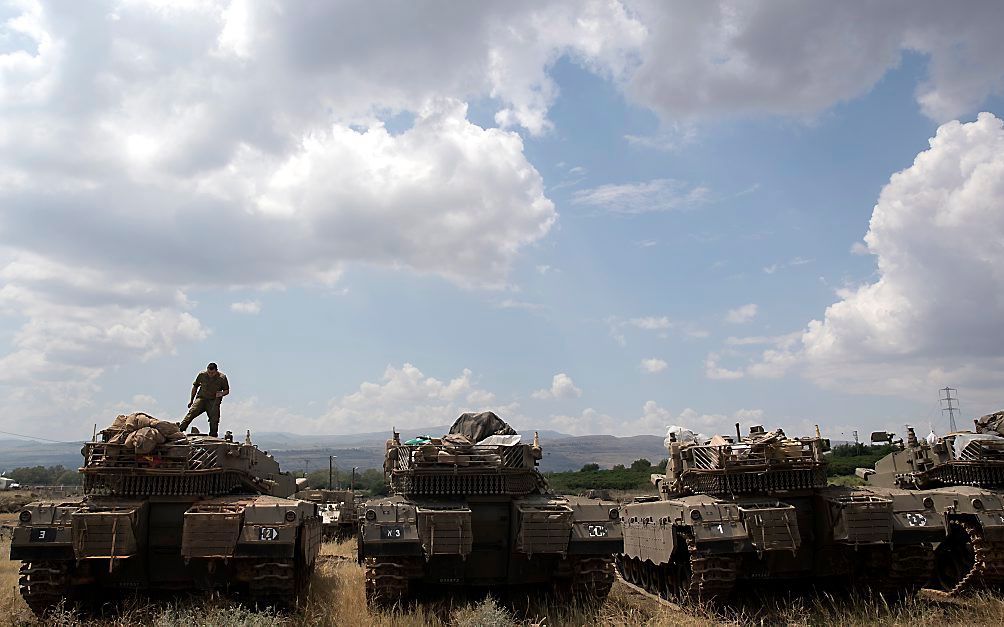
[{"x": 208, "y": 391}]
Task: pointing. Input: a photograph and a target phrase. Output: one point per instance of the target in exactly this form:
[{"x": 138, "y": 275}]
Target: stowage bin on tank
[
  {"x": 959, "y": 477},
  {"x": 758, "y": 508},
  {"x": 168, "y": 513},
  {"x": 472, "y": 509}
]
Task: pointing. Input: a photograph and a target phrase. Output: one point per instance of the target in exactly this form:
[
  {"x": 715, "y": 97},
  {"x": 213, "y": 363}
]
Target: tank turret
[
  {"x": 759, "y": 463},
  {"x": 471, "y": 508},
  {"x": 194, "y": 465}
]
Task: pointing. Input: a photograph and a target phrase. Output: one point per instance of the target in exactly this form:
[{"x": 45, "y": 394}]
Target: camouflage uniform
[{"x": 206, "y": 400}]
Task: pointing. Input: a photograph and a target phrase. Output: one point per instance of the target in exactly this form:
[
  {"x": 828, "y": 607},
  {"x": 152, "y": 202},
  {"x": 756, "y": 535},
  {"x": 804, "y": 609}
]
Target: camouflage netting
[
  {"x": 991, "y": 423},
  {"x": 142, "y": 432},
  {"x": 477, "y": 427}
]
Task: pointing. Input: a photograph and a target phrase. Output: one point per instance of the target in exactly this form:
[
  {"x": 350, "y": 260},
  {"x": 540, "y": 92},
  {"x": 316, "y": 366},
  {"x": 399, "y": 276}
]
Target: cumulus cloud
[
  {"x": 251, "y": 307},
  {"x": 562, "y": 386},
  {"x": 76, "y": 326},
  {"x": 713, "y": 370},
  {"x": 653, "y": 365},
  {"x": 407, "y": 398},
  {"x": 742, "y": 314},
  {"x": 799, "y": 58},
  {"x": 933, "y": 316}
]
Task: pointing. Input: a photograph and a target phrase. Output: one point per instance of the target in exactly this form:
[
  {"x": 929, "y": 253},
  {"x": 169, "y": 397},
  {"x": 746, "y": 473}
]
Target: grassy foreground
[{"x": 337, "y": 598}]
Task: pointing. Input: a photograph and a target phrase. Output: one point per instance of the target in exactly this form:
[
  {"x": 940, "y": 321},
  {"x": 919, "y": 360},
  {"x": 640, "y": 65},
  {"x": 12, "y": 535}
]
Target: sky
[{"x": 593, "y": 217}]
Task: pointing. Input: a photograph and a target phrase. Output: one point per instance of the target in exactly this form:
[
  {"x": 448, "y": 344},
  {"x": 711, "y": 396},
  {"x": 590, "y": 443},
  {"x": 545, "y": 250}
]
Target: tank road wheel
[
  {"x": 276, "y": 584},
  {"x": 387, "y": 582},
  {"x": 43, "y": 585}
]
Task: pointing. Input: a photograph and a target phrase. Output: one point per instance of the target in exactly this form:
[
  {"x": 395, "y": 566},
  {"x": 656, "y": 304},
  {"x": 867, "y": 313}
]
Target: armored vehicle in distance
[
  {"x": 960, "y": 476},
  {"x": 337, "y": 508},
  {"x": 168, "y": 513},
  {"x": 471, "y": 509},
  {"x": 758, "y": 508}
]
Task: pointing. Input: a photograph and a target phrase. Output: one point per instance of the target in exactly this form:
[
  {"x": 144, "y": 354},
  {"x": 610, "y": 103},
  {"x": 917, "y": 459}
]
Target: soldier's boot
[{"x": 214, "y": 428}]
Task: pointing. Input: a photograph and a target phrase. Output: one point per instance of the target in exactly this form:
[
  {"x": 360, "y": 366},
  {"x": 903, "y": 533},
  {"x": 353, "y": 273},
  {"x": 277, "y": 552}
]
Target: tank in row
[
  {"x": 959, "y": 477},
  {"x": 166, "y": 511},
  {"x": 472, "y": 509},
  {"x": 758, "y": 508}
]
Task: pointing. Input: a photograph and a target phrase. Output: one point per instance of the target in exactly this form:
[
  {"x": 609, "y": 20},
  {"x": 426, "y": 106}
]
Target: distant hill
[{"x": 365, "y": 450}]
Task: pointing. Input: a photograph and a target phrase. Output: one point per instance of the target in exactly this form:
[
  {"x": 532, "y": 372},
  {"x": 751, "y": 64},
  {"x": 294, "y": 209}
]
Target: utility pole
[
  {"x": 857, "y": 443},
  {"x": 331, "y": 469},
  {"x": 946, "y": 405}
]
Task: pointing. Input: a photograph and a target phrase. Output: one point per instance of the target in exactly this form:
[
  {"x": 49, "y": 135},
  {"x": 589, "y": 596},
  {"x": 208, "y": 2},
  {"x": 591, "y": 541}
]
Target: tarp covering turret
[{"x": 481, "y": 425}]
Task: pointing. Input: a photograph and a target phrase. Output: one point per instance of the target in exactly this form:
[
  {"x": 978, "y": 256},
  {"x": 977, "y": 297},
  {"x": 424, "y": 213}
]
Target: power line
[{"x": 31, "y": 437}]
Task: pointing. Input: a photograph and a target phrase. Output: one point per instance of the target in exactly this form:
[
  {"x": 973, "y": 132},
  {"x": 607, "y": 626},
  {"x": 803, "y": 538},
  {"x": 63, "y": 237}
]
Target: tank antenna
[
  {"x": 739, "y": 434},
  {"x": 94, "y": 436}
]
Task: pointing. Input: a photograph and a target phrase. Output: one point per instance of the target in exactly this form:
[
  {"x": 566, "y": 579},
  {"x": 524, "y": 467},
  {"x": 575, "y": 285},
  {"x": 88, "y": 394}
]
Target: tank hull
[
  {"x": 702, "y": 547},
  {"x": 260, "y": 547},
  {"x": 564, "y": 543}
]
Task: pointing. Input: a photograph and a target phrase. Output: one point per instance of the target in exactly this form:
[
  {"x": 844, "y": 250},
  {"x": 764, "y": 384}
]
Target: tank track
[
  {"x": 988, "y": 559},
  {"x": 387, "y": 581},
  {"x": 691, "y": 575},
  {"x": 275, "y": 584},
  {"x": 586, "y": 579},
  {"x": 898, "y": 572},
  {"x": 43, "y": 585}
]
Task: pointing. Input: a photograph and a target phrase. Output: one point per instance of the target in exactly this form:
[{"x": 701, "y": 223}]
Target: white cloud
[
  {"x": 714, "y": 371},
  {"x": 653, "y": 365},
  {"x": 643, "y": 197},
  {"x": 251, "y": 307},
  {"x": 933, "y": 315},
  {"x": 406, "y": 398},
  {"x": 652, "y": 323},
  {"x": 76, "y": 326},
  {"x": 709, "y": 58},
  {"x": 654, "y": 420},
  {"x": 658, "y": 324},
  {"x": 562, "y": 386},
  {"x": 741, "y": 315}
]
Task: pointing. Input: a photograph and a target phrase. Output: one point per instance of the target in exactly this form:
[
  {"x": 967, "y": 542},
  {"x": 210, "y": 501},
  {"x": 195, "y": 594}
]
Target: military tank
[
  {"x": 162, "y": 513},
  {"x": 757, "y": 508},
  {"x": 471, "y": 509},
  {"x": 338, "y": 512},
  {"x": 960, "y": 476}
]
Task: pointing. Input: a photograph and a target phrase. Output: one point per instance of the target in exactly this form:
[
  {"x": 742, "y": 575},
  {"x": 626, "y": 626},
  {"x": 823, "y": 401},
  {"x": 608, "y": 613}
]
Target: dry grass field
[{"x": 337, "y": 598}]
